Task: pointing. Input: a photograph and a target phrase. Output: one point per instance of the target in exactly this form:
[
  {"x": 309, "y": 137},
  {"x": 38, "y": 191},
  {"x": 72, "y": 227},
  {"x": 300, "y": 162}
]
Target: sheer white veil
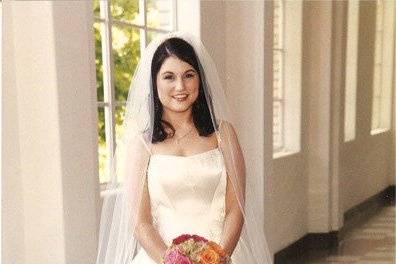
[{"x": 122, "y": 197}]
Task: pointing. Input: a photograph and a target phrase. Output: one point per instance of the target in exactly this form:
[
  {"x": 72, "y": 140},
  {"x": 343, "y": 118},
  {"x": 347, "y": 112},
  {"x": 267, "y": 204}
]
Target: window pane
[
  {"x": 152, "y": 35},
  {"x": 278, "y": 53},
  {"x": 119, "y": 119},
  {"x": 126, "y": 10},
  {"x": 278, "y": 24},
  {"x": 278, "y": 74},
  {"x": 350, "y": 71},
  {"x": 378, "y": 68},
  {"x": 126, "y": 50},
  {"x": 102, "y": 151},
  {"x": 119, "y": 130},
  {"x": 98, "y": 61},
  {"x": 159, "y": 14},
  {"x": 277, "y": 124},
  {"x": 96, "y": 8}
]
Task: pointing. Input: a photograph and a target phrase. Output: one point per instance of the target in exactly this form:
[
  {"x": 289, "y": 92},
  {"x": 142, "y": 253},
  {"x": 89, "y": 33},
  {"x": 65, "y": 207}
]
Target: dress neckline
[{"x": 189, "y": 156}]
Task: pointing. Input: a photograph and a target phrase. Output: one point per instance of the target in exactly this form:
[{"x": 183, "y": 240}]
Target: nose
[{"x": 179, "y": 84}]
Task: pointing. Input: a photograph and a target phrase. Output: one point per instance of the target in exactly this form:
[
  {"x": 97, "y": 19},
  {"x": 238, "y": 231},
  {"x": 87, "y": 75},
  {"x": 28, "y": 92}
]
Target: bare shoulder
[
  {"x": 228, "y": 135},
  {"x": 139, "y": 145},
  {"x": 229, "y": 141},
  {"x": 226, "y": 128}
]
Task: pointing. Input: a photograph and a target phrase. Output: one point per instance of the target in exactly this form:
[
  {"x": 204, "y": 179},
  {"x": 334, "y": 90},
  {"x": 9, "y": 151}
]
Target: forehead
[{"x": 174, "y": 64}]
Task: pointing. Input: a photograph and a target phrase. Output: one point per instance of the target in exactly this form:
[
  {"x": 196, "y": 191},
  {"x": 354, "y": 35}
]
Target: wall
[
  {"x": 366, "y": 162},
  {"x": 233, "y": 33},
  {"x": 308, "y": 191},
  {"x": 12, "y": 196},
  {"x": 244, "y": 33}
]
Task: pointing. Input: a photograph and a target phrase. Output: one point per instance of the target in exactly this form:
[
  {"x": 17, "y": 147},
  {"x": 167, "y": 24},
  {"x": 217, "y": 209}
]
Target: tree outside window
[{"x": 122, "y": 29}]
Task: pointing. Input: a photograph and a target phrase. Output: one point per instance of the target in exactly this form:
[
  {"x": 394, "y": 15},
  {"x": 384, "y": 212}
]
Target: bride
[{"x": 179, "y": 166}]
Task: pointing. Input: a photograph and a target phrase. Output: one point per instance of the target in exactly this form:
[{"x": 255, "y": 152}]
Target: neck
[{"x": 178, "y": 119}]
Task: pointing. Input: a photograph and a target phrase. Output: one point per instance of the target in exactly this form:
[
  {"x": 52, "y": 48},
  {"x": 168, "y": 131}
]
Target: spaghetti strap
[
  {"x": 218, "y": 138},
  {"x": 218, "y": 133},
  {"x": 220, "y": 123}
]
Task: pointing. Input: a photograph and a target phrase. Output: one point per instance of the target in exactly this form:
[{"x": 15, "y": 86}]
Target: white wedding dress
[{"x": 187, "y": 195}]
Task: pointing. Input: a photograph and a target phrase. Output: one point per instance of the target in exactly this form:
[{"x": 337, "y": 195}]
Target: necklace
[{"x": 179, "y": 138}]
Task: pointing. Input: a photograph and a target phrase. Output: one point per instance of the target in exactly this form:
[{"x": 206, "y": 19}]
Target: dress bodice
[{"x": 187, "y": 194}]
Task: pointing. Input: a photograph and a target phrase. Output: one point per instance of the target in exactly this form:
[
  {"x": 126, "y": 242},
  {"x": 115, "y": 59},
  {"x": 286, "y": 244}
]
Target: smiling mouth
[{"x": 180, "y": 97}]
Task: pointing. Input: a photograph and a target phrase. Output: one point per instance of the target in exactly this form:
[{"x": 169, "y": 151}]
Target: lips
[{"x": 180, "y": 97}]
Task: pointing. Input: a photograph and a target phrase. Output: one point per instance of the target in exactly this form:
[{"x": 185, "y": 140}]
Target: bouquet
[{"x": 194, "y": 249}]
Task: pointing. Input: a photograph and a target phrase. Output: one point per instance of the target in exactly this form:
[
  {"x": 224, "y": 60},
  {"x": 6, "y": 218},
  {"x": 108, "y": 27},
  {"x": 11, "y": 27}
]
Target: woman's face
[{"x": 177, "y": 84}]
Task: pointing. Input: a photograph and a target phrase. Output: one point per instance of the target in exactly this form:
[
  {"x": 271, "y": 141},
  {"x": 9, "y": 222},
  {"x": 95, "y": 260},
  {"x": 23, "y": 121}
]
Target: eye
[
  {"x": 190, "y": 75},
  {"x": 168, "y": 77}
]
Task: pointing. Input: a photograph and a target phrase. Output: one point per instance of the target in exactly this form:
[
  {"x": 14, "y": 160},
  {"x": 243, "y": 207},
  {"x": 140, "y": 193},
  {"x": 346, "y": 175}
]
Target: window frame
[
  {"x": 280, "y": 99},
  {"x": 109, "y": 104},
  {"x": 381, "y": 98},
  {"x": 351, "y": 68},
  {"x": 291, "y": 92}
]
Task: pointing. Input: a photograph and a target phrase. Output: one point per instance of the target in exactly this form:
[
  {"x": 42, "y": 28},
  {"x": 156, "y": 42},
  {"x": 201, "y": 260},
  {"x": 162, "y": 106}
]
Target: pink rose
[
  {"x": 184, "y": 260},
  {"x": 176, "y": 257}
]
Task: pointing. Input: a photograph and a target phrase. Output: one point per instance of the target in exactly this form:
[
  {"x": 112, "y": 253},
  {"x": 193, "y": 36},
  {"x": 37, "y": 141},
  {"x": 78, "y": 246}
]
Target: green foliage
[
  {"x": 125, "y": 9},
  {"x": 126, "y": 55},
  {"x": 126, "y": 44}
]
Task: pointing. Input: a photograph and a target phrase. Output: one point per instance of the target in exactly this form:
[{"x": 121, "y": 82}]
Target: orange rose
[
  {"x": 209, "y": 256},
  {"x": 216, "y": 247}
]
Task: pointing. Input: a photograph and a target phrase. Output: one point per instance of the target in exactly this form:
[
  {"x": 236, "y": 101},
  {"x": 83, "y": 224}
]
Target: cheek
[
  {"x": 193, "y": 87},
  {"x": 163, "y": 91}
]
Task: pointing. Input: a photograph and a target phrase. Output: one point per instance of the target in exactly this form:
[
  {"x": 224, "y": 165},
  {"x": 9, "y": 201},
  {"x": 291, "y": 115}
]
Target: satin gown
[{"x": 187, "y": 195}]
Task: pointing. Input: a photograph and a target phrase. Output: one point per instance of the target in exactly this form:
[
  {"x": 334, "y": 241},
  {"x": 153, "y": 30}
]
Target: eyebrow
[{"x": 184, "y": 72}]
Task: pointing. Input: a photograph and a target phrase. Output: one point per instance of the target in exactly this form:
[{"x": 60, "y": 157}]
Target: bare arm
[
  {"x": 145, "y": 232},
  {"x": 235, "y": 166}
]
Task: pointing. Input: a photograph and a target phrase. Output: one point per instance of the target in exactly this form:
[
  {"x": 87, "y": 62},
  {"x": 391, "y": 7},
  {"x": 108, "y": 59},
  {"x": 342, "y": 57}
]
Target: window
[
  {"x": 351, "y": 71},
  {"x": 278, "y": 64},
  {"x": 287, "y": 77},
  {"x": 383, "y": 67},
  {"x": 122, "y": 29}
]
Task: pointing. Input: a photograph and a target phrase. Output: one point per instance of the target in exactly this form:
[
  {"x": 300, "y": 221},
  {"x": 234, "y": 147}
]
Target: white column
[
  {"x": 12, "y": 201},
  {"x": 233, "y": 33},
  {"x": 54, "y": 79},
  {"x": 318, "y": 81}
]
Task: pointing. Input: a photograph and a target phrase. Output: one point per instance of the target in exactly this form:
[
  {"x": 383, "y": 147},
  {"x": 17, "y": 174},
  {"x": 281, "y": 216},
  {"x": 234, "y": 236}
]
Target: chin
[{"x": 179, "y": 108}]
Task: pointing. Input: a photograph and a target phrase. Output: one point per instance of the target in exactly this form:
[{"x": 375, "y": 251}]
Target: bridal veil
[{"x": 122, "y": 197}]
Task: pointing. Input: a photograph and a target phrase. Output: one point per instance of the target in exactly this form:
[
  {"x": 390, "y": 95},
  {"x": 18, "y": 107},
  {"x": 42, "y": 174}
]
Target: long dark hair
[{"x": 200, "y": 109}]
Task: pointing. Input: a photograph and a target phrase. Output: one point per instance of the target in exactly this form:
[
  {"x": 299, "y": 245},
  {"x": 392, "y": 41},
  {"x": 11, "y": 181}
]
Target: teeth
[{"x": 180, "y": 96}]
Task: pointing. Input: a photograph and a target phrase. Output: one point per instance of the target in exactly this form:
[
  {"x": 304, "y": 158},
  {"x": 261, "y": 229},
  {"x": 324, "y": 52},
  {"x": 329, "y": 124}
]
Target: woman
[{"x": 180, "y": 165}]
